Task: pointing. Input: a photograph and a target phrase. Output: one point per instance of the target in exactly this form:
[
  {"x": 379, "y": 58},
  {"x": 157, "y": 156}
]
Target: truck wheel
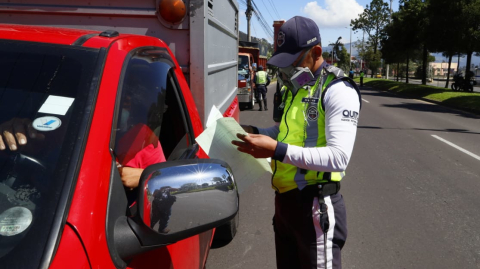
[
  {"x": 225, "y": 233},
  {"x": 250, "y": 104}
]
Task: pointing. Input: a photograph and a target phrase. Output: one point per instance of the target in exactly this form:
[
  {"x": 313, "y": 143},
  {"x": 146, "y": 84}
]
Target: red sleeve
[{"x": 139, "y": 148}]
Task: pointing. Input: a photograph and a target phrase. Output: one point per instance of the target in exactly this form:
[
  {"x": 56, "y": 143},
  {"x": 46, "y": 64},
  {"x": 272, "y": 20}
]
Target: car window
[{"x": 151, "y": 125}]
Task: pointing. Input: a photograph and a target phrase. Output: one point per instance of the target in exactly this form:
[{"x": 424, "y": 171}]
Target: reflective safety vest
[
  {"x": 261, "y": 77},
  {"x": 303, "y": 125}
]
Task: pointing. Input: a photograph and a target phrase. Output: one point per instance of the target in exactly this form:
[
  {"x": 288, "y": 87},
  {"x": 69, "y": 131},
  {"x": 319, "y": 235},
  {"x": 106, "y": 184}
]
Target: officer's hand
[
  {"x": 130, "y": 176},
  {"x": 259, "y": 146},
  {"x": 247, "y": 128},
  {"x": 15, "y": 132}
]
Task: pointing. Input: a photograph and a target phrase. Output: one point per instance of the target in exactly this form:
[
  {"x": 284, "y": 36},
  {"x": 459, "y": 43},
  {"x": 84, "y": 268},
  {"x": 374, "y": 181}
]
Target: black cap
[{"x": 295, "y": 35}]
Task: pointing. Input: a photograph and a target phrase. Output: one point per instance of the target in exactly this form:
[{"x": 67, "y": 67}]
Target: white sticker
[
  {"x": 47, "y": 123},
  {"x": 57, "y": 105},
  {"x": 15, "y": 220}
]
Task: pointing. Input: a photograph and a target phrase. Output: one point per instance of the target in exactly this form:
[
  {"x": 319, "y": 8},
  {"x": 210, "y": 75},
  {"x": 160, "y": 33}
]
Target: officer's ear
[{"x": 316, "y": 52}]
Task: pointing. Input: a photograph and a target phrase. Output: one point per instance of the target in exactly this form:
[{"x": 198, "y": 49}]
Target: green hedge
[{"x": 466, "y": 101}]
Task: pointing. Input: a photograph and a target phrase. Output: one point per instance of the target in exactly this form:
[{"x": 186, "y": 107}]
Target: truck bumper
[{"x": 244, "y": 98}]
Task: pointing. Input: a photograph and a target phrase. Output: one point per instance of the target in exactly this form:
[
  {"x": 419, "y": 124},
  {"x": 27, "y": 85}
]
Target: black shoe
[{"x": 260, "y": 109}]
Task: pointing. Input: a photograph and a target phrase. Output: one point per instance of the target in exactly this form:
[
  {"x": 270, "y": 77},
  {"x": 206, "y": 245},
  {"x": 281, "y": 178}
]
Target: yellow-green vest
[
  {"x": 261, "y": 77},
  {"x": 294, "y": 128}
]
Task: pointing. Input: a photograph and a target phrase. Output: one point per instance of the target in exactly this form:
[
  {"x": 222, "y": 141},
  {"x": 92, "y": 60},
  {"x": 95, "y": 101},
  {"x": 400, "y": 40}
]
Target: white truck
[{"x": 202, "y": 34}]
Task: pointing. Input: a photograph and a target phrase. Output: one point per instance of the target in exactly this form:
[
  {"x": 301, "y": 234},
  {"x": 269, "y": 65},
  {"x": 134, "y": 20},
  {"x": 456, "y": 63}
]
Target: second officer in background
[{"x": 261, "y": 81}]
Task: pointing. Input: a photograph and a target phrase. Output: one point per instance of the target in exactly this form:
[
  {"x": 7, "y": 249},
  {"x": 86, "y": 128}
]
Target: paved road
[{"x": 411, "y": 191}]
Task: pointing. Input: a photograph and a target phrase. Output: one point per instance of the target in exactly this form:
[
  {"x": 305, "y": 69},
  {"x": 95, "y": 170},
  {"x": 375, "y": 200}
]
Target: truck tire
[{"x": 250, "y": 104}]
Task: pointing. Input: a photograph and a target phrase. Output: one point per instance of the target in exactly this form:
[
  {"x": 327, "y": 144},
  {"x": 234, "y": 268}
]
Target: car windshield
[
  {"x": 45, "y": 92},
  {"x": 242, "y": 64}
]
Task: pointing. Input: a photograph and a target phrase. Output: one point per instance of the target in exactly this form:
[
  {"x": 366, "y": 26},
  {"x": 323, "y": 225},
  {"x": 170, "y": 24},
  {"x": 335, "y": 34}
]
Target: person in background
[
  {"x": 310, "y": 149},
  {"x": 361, "y": 78},
  {"x": 261, "y": 81}
]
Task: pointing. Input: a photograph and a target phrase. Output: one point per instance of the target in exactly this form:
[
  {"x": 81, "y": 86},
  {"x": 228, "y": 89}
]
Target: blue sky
[{"x": 332, "y": 16}]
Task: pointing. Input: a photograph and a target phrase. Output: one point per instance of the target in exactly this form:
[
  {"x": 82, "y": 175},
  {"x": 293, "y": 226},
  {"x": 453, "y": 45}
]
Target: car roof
[{"x": 53, "y": 35}]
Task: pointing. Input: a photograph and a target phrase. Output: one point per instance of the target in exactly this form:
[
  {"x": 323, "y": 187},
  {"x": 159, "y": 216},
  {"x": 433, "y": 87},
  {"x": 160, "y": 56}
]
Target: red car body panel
[
  {"x": 83, "y": 243},
  {"x": 70, "y": 249}
]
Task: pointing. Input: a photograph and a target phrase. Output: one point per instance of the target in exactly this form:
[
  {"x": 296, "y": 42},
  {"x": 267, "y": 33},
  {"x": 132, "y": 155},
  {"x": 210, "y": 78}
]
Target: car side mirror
[{"x": 179, "y": 199}]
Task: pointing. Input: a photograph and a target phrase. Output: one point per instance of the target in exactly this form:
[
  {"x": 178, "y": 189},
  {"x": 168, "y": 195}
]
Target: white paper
[
  {"x": 216, "y": 142},
  {"x": 57, "y": 105}
]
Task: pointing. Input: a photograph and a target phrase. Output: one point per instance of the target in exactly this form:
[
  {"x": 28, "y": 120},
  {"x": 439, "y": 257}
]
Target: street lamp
[{"x": 350, "y": 46}]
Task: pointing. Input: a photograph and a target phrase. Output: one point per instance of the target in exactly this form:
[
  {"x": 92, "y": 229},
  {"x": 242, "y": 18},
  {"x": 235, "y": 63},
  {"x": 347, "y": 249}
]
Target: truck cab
[{"x": 246, "y": 96}]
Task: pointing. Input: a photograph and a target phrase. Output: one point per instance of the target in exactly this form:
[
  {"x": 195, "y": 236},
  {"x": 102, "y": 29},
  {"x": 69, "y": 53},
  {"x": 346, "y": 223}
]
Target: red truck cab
[{"x": 83, "y": 96}]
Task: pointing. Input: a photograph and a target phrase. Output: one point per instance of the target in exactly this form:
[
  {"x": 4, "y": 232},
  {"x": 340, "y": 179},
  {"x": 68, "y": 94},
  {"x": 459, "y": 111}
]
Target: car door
[{"x": 152, "y": 125}]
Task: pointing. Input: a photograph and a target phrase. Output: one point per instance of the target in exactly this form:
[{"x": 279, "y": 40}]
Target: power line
[
  {"x": 268, "y": 11},
  {"x": 275, "y": 9},
  {"x": 262, "y": 21}
]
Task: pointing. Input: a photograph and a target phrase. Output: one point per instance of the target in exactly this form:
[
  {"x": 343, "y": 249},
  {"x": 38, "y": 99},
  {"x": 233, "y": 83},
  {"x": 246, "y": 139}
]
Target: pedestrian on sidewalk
[{"x": 310, "y": 149}]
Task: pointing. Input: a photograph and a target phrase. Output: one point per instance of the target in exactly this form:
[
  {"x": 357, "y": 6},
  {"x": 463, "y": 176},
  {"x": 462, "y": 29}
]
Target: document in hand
[{"x": 216, "y": 142}]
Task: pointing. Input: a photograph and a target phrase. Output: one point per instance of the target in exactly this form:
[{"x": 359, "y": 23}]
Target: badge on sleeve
[{"x": 312, "y": 113}]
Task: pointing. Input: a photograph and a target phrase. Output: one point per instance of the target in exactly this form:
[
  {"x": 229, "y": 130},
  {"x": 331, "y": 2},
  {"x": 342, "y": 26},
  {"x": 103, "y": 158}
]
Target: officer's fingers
[
  {"x": 9, "y": 139},
  {"x": 19, "y": 131}
]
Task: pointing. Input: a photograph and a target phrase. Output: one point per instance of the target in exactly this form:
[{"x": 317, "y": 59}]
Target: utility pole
[
  {"x": 388, "y": 66},
  {"x": 248, "y": 12}
]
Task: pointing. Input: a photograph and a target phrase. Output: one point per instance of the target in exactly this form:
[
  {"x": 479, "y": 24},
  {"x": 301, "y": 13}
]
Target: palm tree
[{"x": 336, "y": 48}]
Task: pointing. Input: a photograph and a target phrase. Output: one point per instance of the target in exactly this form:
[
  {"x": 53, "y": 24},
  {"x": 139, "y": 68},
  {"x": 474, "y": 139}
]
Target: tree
[
  {"x": 344, "y": 59},
  {"x": 372, "y": 21},
  {"x": 336, "y": 49}
]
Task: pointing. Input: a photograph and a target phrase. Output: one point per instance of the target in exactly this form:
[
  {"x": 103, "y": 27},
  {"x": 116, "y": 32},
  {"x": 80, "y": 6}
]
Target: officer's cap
[{"x": 295, "y": 35}]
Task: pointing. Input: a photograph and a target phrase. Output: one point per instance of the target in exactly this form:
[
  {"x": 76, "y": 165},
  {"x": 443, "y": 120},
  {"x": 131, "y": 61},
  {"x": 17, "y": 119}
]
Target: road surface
[{"x": 411, "y": 191}]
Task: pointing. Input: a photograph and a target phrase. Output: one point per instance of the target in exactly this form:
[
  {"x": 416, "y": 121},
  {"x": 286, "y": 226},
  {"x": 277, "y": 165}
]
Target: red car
[{"x": 90, "y": 102}]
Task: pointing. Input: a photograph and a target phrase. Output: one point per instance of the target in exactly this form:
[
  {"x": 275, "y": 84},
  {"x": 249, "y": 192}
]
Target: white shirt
[{"x": 342, "y": 109}]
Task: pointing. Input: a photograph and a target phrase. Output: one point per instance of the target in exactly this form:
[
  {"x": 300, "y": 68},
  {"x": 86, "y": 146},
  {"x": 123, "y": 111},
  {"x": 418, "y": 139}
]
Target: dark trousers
[
  {"x": 299, "y": 240},
  {"x": 361, "y": 81},
  {"x": 261, "y": 91}
]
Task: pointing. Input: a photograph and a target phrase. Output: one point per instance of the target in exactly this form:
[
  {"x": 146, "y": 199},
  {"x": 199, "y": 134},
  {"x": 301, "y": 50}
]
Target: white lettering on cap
[{"x": 311, "y": 40}]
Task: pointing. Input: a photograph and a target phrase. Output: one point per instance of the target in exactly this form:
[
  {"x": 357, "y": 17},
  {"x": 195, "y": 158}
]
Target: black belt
[{"x": 324, "y": 189}]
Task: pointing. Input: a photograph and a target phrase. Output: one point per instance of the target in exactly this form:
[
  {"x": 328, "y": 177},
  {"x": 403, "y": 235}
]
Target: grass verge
[{"x": 466, "y": 101}]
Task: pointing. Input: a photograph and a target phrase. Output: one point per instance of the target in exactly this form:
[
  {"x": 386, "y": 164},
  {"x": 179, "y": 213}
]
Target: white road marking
[
  {"x": 365, "y": 100},
  {"x": 457, "y": 147}
]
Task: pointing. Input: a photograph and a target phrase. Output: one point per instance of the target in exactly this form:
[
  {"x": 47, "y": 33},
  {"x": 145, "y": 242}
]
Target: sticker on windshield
[
  {"x": 15, "y": 220},
  {"x": 47, "y": 123},
  {"x": 57, "y": 105}
]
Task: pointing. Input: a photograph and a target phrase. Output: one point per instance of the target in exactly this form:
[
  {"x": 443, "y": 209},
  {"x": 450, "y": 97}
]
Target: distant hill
[{"x": 262, "y": 43}]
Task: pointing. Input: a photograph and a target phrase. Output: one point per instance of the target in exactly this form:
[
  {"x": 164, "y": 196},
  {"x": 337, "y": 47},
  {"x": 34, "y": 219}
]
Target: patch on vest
[{"x": 312, "y": 113}]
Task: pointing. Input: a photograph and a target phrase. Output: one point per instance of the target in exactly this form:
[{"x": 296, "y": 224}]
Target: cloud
[{"x": 336, "y": 14}]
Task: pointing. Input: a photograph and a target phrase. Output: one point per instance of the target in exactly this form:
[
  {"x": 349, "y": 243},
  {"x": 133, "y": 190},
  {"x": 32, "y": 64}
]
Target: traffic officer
[
  {"x": 310, "y": 149},
  {"x": 261, "y": 80}
]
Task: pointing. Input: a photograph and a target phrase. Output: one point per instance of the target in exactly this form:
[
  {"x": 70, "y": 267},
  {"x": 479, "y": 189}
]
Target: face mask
[{"x": 294, "y": 77}]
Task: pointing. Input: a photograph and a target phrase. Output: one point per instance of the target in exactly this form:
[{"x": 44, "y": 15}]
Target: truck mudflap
[{"x": 233, "y": 110}]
